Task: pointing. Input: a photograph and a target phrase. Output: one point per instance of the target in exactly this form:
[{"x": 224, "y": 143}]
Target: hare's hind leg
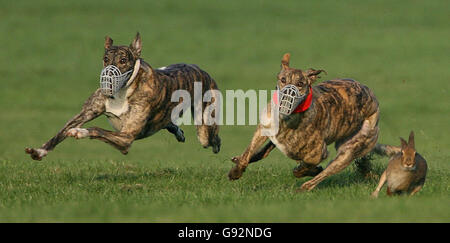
[
  {"x": 355, "y": 147},
  {"x": 415, "y": 190},
  {"x": 388, "y": 192},
  {"x": 417, "y": 187}
]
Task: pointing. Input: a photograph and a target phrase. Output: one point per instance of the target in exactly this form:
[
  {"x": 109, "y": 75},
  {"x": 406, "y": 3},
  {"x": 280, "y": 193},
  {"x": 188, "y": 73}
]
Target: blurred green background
[{"x": 50, "y": 59}]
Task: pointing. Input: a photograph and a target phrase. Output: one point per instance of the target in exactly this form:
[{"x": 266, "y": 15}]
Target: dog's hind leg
[
  {"x": 304, "y": 169},
  {"x": 310, "y": 169},
  {"x": 175, "y": 130},
  {"x": 357, "y": 146},
  {"x": 208, "y": 130},
  {"x": 386, "y": 150},
  {"x": 132, "y": 126},
  {"x": 208, "y": 136},
  {"x": 92, "y": 108},
  {"x": 364, "y": 165}
]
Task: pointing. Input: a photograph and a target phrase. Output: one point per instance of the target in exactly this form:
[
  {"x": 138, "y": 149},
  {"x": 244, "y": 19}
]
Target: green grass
[{"x": 51, "y": 58}]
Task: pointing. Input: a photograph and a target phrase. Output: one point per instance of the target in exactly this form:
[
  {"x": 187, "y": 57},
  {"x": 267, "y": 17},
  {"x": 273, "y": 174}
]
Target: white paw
[
  {"x": 42, "y": 152},
  {"x": 78, "y": 133},
  {"x": 36, "y": 154}
]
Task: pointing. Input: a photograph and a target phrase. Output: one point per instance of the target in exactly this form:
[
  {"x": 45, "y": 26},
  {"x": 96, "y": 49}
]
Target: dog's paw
[
  {"x": 77, "y": 133},
  {"x": 179, "y": 135},
  {"x": 216, "y": 148},
  {"x": 302, "y": 171},
  {"x": 36, "y": 154},
  {"x": 307, "y": 186},
  {"x": 235, "y": 159},
  {"x": 215, "y": 143},
  {"x": 235, "y": 173}
]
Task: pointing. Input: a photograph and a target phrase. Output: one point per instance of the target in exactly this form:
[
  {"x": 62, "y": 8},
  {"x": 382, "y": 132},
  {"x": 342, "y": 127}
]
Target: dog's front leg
[
  {"x": 261, "y": 154},
  {"x": 243, "y": 160},
  {"x": 119, "y": 140},
  {"x": 133, "y": 124},
  {"x": 92, "y": 108}
]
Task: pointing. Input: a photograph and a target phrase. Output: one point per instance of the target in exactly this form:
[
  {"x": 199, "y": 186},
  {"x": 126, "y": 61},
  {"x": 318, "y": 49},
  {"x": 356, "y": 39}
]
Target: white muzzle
[
  {"x": 112, "y": 80},
  {"x": 289, "y": 98}
]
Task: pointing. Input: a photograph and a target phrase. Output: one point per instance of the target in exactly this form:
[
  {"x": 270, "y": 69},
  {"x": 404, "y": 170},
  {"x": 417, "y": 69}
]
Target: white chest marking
[
  {"x": 117, "y": 107},
  {"x": 279, "y": 145},
  {"x": 119, "y": 104}
]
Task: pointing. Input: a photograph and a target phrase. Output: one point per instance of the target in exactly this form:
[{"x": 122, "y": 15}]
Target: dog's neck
[
  {"x": 301, "y": 117},
  {"x": 303, "y": 112},
  {"x": 303, "y": 106},
  {"x": 118, "y": 104}
]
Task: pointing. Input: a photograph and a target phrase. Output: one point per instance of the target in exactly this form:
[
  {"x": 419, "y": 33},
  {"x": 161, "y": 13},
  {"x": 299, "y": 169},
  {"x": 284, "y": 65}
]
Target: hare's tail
[{"x": 386, "y": 150}]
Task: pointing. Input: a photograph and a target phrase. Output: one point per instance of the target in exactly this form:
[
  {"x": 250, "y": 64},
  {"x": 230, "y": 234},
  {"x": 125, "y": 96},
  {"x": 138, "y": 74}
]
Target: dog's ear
[
  {"x": 136, "y": 46},
  {"x": 312, "y": 74},
  {"x": 285, "y": 61},
  {"x": 108, "y": 42}
]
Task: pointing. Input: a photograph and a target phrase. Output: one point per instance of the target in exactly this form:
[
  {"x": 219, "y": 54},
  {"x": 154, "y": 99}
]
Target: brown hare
[{"x": 405, "y": 172}]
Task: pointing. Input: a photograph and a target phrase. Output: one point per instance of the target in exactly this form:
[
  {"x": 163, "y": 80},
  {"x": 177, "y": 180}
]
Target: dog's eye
[
  {"x": 283, "y": 80},
  {"x": 105, "y": 59},
  {"x": 123, "y": 60}
]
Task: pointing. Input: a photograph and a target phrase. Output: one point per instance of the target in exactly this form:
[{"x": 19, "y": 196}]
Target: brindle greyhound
[
  {"x": 342, "y": 111},
  {"x": 142, "y": 108}
]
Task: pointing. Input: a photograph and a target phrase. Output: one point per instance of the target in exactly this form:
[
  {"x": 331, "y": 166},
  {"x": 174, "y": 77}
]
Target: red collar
[{"x": 302, "y": 106}]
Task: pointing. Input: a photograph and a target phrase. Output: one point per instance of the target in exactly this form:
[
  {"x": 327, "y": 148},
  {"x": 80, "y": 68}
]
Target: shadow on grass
[
  {"x": 132, "y": 175},
  {"x": 349, "y": 177}
]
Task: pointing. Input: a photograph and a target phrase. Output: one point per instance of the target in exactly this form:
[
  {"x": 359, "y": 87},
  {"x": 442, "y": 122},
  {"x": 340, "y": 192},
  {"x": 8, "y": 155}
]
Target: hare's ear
[
  {"x": 285, "y": 61},
  {"x": 136, "y": 46},
  {"x": 108, "y": 42},
  {"x": 404, "y": 144},
  {"x": 411, "y": 140},
  {"x": 312, "y": 74}
]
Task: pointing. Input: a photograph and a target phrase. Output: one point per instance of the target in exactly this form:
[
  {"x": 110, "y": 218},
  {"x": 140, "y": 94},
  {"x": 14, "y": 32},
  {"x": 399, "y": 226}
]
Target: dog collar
[
  {"x": 302, "y": 106},
  {"x": 137, "y": 65}
]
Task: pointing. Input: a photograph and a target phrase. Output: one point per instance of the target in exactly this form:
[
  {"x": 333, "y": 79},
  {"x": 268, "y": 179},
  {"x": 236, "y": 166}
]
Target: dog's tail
[{"x": 386, "y": 150}]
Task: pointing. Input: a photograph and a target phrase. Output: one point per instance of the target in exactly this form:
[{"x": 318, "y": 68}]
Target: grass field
[{"x": 50, "y": 61}]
